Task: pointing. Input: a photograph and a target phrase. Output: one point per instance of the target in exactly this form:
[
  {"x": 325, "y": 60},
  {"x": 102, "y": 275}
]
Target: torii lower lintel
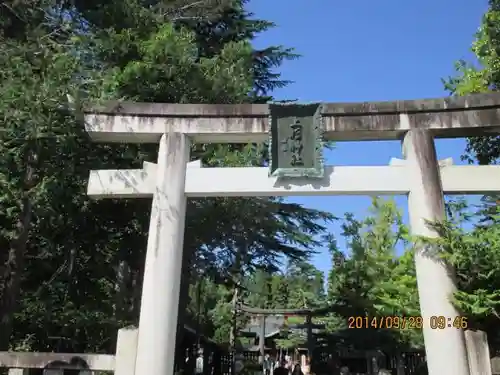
[{"x": 253, "y": 182}]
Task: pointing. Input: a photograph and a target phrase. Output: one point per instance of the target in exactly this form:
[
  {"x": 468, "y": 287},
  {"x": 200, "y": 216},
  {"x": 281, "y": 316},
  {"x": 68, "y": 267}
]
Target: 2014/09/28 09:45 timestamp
[{"x": 406, "y": 322}]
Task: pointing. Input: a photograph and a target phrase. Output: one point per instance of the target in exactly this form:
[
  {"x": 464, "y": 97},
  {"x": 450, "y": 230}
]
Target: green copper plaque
[{"x": 296, "y": 142}]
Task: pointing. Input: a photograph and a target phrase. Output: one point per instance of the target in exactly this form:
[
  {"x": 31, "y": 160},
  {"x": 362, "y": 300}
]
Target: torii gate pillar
[
  {"x": 162, "y": 270},
  {"x": 435, "y": 283}
]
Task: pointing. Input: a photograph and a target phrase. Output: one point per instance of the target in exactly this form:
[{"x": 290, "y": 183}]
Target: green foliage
[
  {"x": 42, "y": 146},
  {"x": 474, "y": 253},
  {"x": 482, "y": 78},
  {"x": 307, "y": 286},
  {"x": 168, "y": 67},
  {"x": 373, "y": 280},
  {"x": 475, "y": 256}
]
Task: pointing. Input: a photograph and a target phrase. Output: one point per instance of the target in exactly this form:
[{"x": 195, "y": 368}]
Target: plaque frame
[{"x": 315, "y": 137}]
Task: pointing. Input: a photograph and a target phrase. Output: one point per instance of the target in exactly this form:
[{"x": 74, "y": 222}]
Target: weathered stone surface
[
  {"x": 478, "y": 352},
  {"x": 495, "y": 365},
  {"x": 126, "y": 351},
  {"x": 448, "y": 117},
  {"x": 255, "y": 182},
  {"x": 448, "y": 103},
  {"x": 97, "y": 362},
  {"x": 445, "y": 349},
  {"x": 176, "y": 110},
  {"x": 162, "y": 270},
  {"x": 18, "y": 371}
]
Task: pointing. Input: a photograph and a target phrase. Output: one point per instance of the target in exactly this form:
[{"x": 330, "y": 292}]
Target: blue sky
[{"x": 361, "y": 50}]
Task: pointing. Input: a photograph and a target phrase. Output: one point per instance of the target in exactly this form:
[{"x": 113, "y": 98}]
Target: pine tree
[{"x": 95, "y": 50}]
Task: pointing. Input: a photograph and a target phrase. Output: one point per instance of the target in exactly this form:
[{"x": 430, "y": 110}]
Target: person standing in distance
[
  {"x": 267, "y": 364},
  {"x": 281, "y": 369}
]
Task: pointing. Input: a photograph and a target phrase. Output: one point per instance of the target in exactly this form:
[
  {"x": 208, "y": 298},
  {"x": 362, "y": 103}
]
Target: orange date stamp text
[
  {"x": 385, "y": 322},
  {"x": 406, "y": 322}
]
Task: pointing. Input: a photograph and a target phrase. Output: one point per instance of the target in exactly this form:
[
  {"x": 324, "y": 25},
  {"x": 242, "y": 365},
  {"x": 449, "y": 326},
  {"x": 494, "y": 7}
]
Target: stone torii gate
[{"x": 169, "y": 182}]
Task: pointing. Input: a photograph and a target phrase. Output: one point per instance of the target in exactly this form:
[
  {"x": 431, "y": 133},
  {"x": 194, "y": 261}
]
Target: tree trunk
[
  {"x": 183, "y": 303},
  {"x": 135, "y": 300},
  {"x": 121, "y": 289},
  {"x": 14, "y": 267},
  {"x": 233, "y": 339}
]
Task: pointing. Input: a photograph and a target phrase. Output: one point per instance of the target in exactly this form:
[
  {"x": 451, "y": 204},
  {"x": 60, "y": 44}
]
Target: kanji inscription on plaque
[{"x": 296, "y": 140}]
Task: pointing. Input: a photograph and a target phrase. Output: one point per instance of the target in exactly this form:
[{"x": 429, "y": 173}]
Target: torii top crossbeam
[{"x": 245, "y": 123}]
